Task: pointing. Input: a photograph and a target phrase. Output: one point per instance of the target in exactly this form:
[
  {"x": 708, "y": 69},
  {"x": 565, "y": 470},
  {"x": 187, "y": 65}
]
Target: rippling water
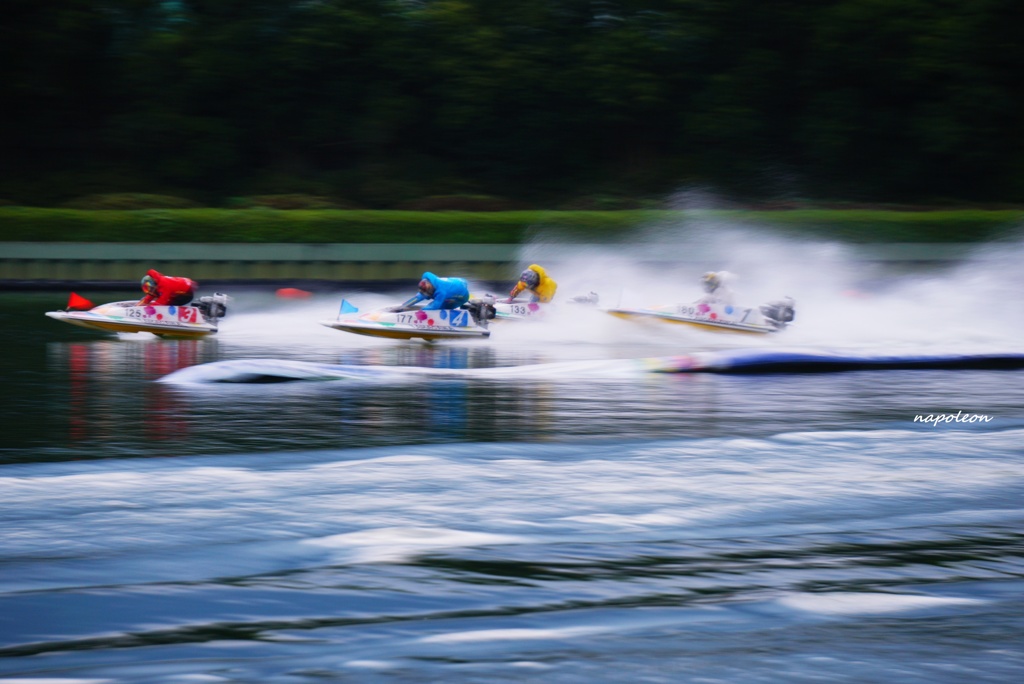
[{"x": 583, "y": 521}]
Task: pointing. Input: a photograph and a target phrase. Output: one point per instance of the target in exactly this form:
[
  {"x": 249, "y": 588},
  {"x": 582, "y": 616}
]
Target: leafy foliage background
[{"x": 376, "y": 103}]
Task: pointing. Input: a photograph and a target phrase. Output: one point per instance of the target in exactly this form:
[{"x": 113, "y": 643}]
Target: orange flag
[{"x": 78, "y": 302}]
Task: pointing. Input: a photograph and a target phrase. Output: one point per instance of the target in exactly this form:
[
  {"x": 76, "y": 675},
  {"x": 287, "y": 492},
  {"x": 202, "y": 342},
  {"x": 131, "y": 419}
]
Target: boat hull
[
  {"x": 372, "y": 329},
  {"x": 703, "y": 322},
  {"x": 517, "y": 311},
  {"x": 412, "y": 324},
  {"x": 125, "y": 317}
]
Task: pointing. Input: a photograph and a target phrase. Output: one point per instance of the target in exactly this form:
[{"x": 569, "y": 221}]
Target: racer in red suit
[{"x": 164, "y": 290}]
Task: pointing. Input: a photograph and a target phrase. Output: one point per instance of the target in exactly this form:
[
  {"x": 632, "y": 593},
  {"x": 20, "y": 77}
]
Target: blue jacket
[{"x": 449, "y": 293}]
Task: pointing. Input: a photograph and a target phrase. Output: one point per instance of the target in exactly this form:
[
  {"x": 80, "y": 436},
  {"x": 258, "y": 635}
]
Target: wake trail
[{"x": 742, "y": 362}]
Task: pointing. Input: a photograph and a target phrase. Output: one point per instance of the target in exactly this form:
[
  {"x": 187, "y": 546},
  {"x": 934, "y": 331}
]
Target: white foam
[
  {"x": 523, "y": 634},
  {"x": 848, "y": 603},
  {"x": 372, "y": 664},
  {"x": 401, "y": 543},
  {"x": 843, "y": 295}
]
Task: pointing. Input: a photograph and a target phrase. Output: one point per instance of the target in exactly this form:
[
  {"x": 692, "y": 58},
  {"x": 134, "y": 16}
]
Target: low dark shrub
[
  {"x": 288, "y": 202},
  {"x": 130, "y": 201},
  {"x": 34, "y": 224},
  {"x": 609, "y": 203},
  {"x": 459, "y": 203}
]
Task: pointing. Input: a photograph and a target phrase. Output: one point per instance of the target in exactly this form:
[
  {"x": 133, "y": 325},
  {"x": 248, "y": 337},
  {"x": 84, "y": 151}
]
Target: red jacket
[{"x": 170, "y": 290}]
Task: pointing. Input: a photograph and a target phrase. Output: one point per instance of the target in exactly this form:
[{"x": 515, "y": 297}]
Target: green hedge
[
  {"x": 509, "y": 227},
  {"x": 126, "y": 201}
]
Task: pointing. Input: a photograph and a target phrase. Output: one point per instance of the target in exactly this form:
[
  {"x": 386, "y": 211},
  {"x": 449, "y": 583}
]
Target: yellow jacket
[{"x": 545, "y": 290}]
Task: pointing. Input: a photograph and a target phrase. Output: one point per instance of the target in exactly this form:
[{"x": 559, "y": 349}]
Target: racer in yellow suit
[{"x": 536, "y": 280}]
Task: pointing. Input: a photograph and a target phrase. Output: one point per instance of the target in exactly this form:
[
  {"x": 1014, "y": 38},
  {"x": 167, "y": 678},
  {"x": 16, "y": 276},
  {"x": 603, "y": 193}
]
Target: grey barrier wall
[
  {"x": 27, "y": 262},
  {"x": 34, "y": 263}
]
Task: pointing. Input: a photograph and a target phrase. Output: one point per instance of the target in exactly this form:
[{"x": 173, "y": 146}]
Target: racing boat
[
  {"x": 505, "y": 310},
  {"x": 767, "y": 318},
  {"x": 415, "y": 322},
  {"x": 198, "y": 319}
]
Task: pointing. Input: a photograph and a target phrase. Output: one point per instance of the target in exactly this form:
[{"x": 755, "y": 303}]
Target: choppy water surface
[{"x": 579, "y": 521}]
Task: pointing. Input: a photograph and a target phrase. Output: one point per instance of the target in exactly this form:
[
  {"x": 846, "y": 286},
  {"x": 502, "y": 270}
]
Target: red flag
[
  {"x": 293, "y": 293},
  {"x": 78, "y": 302}
]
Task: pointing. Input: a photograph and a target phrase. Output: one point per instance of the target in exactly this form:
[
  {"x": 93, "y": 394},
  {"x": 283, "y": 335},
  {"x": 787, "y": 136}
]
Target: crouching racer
[
  {"x": 444, "y": 293},
  {"x": 539, "y": 284},
  {"x": 164, "y": 290}
]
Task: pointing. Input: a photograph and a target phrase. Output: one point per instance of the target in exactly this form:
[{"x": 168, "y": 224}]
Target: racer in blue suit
[{"x": 444, "y": 293}]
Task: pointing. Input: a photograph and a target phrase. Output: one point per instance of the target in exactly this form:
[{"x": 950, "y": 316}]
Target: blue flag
[{"x": 347, "y": 308}]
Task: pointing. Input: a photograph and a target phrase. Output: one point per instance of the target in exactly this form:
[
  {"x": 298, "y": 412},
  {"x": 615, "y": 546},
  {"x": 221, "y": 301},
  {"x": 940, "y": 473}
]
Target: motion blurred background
[{"x": 500, "y": 104}]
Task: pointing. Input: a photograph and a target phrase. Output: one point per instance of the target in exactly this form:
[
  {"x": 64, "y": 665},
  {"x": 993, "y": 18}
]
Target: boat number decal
[
  {"x": 185, "y": 314},
  {"x": 688, "y": 310},
  {"x": 456, "y": 318},
  {"x": 147, "y": 313},
  {"x": 521, "y": 310}
]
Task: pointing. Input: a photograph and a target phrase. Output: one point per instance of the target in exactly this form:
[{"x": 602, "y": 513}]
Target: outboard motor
[
  {"x": 779, "y": 313},
  {"x": 213, "y": 306},
  {"x": 481, "y": 309},
  {"x": 585, "y": 299}
]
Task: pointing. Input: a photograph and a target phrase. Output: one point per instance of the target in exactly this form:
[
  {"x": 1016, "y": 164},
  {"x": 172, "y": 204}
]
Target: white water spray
[{"x": 845, "y": 298}]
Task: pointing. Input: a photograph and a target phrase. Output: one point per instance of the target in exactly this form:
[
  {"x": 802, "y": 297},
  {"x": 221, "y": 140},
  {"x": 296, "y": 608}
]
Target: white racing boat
[
  {"x": 409, "y": 323},
  {"x": 505, "y": 310},
  {"x": 767, "y": 318},
  {"x": 198, "y": 319}
]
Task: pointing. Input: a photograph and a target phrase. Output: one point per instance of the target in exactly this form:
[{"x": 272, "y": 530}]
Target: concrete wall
[{"x": 28, "y": 263}]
